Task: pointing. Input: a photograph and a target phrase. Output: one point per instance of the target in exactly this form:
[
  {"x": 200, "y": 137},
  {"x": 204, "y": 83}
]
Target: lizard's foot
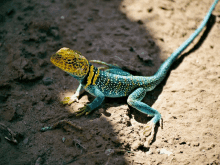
[
  {"x": 84, "y": 110},
  {"x": 149, "y": 131},
  {"x": 69, "y": 100}
]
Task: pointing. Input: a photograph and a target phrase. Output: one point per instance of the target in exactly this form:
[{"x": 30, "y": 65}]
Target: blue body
[{"x": 115, "y": 82}]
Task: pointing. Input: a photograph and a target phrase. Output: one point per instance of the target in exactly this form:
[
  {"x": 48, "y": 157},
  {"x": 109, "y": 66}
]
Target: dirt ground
[{"x": 137, "y": 35}]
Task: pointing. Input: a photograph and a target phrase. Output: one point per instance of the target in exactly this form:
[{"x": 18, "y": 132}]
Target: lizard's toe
[
  {"x": 149, "y": 128},
  {"x": 84, "y": 110},
  {"x": 149, "y": 131},
  {"x": 65, "y": 101},
  {"x": 69, "y": 100},
  {"x": 80, "y": 112}
]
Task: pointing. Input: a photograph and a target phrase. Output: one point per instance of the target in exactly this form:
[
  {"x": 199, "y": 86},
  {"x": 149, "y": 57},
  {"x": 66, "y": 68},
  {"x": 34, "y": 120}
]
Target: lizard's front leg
[
  {"x": 73, "y": 98},
  {"x": 92, "y": 89}
]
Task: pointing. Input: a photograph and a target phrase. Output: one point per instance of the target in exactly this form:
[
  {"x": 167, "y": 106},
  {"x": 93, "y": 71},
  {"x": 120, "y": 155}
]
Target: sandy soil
[{"x": 138, "y": 36}]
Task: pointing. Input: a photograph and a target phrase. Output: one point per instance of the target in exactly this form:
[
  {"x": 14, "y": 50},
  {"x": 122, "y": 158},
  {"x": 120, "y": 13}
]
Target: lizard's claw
[
  {"x": 65, "y": 101},
  {"x": 150, "y": 131},
  {"x": 84, "y": 110},
  {"x": 69, "y": 100}
]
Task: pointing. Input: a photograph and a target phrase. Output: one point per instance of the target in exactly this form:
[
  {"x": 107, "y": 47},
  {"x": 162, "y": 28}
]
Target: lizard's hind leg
[{"x": 134, "y": 100}]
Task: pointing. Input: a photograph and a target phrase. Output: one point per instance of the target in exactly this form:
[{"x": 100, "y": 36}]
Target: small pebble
[
  {"x": 25, "y": 141},
  {"x": 47, "y": 81}
]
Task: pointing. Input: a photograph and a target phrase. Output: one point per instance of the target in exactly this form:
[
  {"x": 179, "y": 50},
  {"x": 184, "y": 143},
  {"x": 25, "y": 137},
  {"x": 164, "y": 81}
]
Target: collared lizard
[{"x": 112, "y": 81}]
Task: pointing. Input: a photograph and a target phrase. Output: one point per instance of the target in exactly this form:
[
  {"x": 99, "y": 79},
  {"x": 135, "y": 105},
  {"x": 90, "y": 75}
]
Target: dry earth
[{"x": 138, "y": 35}]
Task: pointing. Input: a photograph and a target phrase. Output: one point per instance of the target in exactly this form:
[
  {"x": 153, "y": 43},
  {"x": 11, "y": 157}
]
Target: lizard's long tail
[{"x": 161, "y": 73}]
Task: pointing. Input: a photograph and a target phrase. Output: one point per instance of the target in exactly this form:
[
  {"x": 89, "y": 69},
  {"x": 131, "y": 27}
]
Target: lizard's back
[{"x": 113, "y": 85}]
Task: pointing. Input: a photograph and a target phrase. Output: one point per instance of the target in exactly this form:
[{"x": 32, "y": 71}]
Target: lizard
[{"x": 112, "y": 81}]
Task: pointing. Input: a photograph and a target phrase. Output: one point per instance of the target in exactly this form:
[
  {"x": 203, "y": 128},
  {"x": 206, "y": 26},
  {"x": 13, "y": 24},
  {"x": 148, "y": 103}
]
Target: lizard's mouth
[{"x": 58, "y": 61}]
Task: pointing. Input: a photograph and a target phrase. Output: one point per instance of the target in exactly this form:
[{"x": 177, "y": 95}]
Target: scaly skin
[{"x": 114, "y": 82}]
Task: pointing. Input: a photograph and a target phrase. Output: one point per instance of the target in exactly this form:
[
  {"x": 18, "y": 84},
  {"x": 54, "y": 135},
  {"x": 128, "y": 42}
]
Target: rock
[
  {"x": 7, "y": 113},
  {"x": 25, "y": 141},
  {"x": 47, "y": 81},
  {"x": 135, "y": 145}
]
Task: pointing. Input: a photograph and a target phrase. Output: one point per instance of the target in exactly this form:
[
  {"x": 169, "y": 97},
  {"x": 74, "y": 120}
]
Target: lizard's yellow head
[{"x": 71, "y": 61}]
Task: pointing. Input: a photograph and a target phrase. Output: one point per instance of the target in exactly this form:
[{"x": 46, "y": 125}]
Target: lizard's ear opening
[{"x": 71, "y": 61}]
